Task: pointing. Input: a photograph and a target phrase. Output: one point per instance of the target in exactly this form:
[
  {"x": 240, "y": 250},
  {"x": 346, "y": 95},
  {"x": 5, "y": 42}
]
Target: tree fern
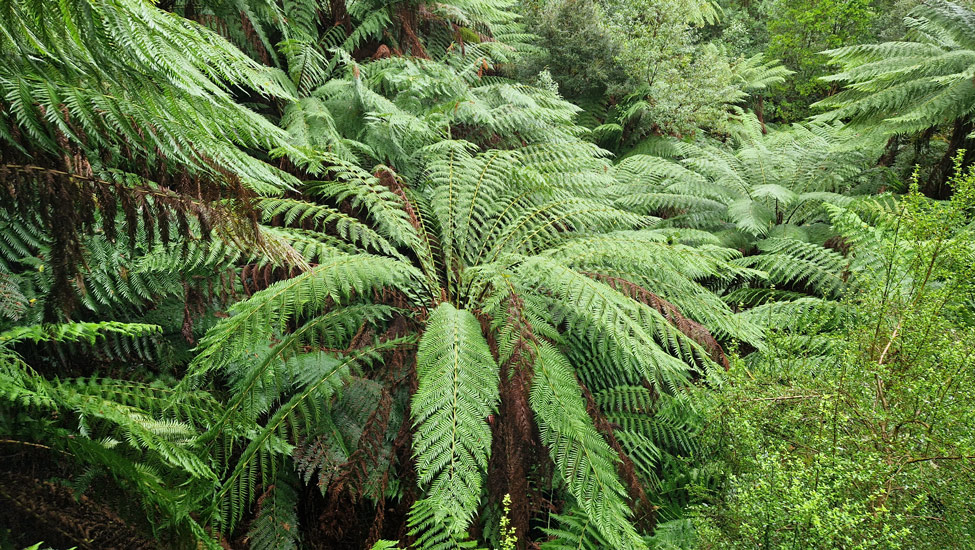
[
  {"x": 912, "y": 85},
  {"x": 770, "y": 197},
  {"x": 783, "y": 178},
  {"x": 758, "y": 74},
  {"x": 422, "y": 249},
  {"x": 537, "y": 240}
]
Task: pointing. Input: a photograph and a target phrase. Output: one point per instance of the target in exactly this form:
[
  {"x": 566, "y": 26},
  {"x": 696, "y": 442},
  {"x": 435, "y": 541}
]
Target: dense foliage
[{"x": 636, "y": 274}]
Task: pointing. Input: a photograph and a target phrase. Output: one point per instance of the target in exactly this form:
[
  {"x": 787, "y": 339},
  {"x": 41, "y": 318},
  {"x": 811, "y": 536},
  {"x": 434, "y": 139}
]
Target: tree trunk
[
  {"x": 890, "y": 152},
  {"x": 407, "y": 19},
  {"x": 340, "y": 15},
  {"x": 936, "y": 185},
  {"x": 760, "y": 113}
]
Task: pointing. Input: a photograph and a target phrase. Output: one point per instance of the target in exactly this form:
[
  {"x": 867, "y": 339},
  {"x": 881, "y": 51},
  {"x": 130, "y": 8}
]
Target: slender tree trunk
[
  {"x": 406, "y": 13},
  {"x": 760, "y": 113},
  {"x": 935, "y": 186},
  {"x": 890, "y": 152}
]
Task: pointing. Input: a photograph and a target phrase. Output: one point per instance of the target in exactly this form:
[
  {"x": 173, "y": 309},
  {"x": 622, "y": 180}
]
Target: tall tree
[{"x": 798, "y": 32}]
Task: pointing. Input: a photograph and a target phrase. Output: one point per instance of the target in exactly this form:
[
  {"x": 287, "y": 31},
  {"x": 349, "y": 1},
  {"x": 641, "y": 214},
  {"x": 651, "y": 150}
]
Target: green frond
[
  {"x": 258, "y": 383},
  {"x": 120, "y": 434},
  {"x": 425, "y": 523},
  {"x": 671, "y": 271},
  {"x": 310, "y": 125},
  {"x": 278, "y": 434},
  {"x": 19, "y": 236},
  {"x": 903, "y": 87},
  {"x": 196, "y": 408},
  {"x": 583, "y": 459},
  {"x": 457, "y": 388},
  {"x": 255, "y": 321},
  {"x": 276, "y": 524},
  {"x": 780, "y": 178},
  {"x": 651, "y": 424},
  {"x": 757, "y": 74},
  {"x": 751, "y": 216},
  {"x": 157, "y": 496},
  {"x": 799, "y": 314},
  {"x": 675, "y": 533},
  {"x": 167, "y": 439},
  {"x": 792, "y": 263},
  {"x": 382, "y": 206},
  {"x": 346, "y": 227},
  {"x": 199, "y": 67},
  {"x": 115, "y": 281},
  {"x": 575, "y": 531},
  {"x": 72, "y": 332},
  {"x": 627, "y": 342}
]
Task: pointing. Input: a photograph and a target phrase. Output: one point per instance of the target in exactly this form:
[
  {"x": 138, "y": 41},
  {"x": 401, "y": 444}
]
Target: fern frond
[
  {"x": 425, "y": 523},
  {"x": 457, "y": 390},
  {"x": 275, "y": 437},
  {"x": 72, "y": 332},
  {"x": 276, "y": 524},
  {"x": 629, "y": 341},
  {"x": 757, "y": 74},
  {"x": 583, "y": 459},
  {"x": 575, "y": 531},
  {"x": 903, "y": 87},
  {"x": 793, "y": 263},
  {"x": 265, "y": 315}
]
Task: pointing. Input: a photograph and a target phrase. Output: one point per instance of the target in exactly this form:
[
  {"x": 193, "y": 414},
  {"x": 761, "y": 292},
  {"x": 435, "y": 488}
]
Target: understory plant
[{"x": 863, "y": 441}]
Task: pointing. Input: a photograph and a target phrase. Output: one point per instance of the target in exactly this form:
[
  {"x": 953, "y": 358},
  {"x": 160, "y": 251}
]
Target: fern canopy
[
  {"x": 909, "y": 86},
  {"x": 353, "y": 257}
]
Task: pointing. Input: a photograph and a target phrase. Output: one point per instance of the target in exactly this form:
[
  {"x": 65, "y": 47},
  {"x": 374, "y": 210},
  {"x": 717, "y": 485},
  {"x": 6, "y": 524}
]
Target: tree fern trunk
[
  {"x": 406, "y": 14},
  {"x": 340, "y": 15},
  {"x": 921, "y": 143},
  {"x": 936, "y": 186},
  {"x": 514, "y": 454},
  {"x": 760, "y": 113},
  {"x": 890, "y": 151}
]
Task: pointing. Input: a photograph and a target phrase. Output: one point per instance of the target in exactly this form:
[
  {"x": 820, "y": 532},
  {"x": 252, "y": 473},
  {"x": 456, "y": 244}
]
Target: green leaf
[{"x": 457, "y": 390}]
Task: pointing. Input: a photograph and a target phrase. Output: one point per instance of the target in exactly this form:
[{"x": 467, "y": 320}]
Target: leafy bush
[{"x": 868, "y": 445}]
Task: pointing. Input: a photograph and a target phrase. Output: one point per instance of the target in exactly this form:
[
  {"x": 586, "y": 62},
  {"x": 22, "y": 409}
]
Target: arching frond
[
  {"x": 583, "y": 459},
  {"x": 904, "y": 87},
  {"x": 758, "y": 74},
  {"x": 457, "y": 388},
  {"x": 266, "y": 314}
]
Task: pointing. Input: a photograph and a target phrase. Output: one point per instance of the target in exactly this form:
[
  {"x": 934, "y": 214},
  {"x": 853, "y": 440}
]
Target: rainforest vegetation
[{"x": 550, "y": 274}]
